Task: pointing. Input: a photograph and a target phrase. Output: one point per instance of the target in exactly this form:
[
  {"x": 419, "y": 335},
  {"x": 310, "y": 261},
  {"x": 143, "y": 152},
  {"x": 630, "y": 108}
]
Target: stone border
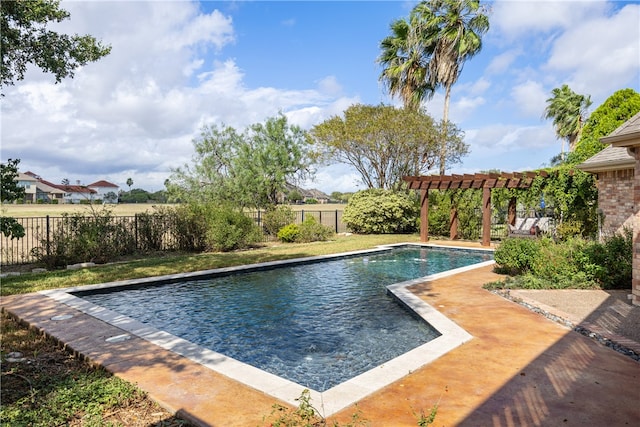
[{"x": 583, "y": 330}]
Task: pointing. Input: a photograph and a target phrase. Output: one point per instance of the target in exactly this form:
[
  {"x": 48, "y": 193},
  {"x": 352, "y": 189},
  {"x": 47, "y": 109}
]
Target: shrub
[
  {"x": 516, "y": 256},
  {"x": 150, "y": 230},
  {"x": 311, "y": 201},
  {"x": 97, "y": 238},
  {"x": 289, "y": 233},
  {"x": 277, "y": 217},
  {"x": 190, "y": 227},
  {"x": 559, "y": 264},
  {"x": 569, "y": 229},
  {"x": 312, "y": 231},
  {"x": 377, "y": 211},
  {"x": 572, "y": 263},
  {"x": 229, "y": 229},
  {"x": 610, "y": 262}
]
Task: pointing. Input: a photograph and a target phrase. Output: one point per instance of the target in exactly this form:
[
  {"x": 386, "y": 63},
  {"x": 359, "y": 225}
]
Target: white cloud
[
  {"x": 530, "y": 98},
  {"x": 508, "y": 137},
  {"x": 501, "y": 63},
  {"x": 514, "y": 18},
  {"x": 601, "y": 54}
]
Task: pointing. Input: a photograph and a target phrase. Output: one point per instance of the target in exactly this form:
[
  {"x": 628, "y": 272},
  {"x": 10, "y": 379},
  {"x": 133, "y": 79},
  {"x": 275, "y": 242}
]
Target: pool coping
[{"x": 332, "y": 400}]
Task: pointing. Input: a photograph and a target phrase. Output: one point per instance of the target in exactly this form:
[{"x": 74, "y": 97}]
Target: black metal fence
[
  {"x": 139, "y": 233},
  {"x": 145, "y": 233}
]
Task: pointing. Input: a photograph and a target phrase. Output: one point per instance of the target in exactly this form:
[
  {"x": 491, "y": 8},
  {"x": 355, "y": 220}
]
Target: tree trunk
[{"x": 443, "y": 136}]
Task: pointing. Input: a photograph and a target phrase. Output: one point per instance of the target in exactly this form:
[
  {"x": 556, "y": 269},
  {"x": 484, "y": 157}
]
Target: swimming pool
[{"x": 311, "y": 330}]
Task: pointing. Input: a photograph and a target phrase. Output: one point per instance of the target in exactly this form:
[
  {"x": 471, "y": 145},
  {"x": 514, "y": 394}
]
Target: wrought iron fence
[{"x": 146, "y": 233}]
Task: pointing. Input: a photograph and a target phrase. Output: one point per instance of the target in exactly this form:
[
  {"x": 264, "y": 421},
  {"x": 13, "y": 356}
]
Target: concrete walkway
[{"x": 520, "y": 369}]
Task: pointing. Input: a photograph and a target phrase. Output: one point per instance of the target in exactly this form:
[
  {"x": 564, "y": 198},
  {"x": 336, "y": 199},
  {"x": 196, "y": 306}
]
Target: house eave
[
  {"x": 626, "y": 140},
  {"x": 607, "y": 166}
]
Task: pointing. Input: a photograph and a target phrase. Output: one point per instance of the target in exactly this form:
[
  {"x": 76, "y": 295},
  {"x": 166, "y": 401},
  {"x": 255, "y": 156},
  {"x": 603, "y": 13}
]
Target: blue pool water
[{"x": 317, "y": 324}]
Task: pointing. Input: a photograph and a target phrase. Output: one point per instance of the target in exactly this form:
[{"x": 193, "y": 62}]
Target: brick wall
[
  {"x": 615, "y": 198},
  {"x": 635, "y": 281},
  {"x": 618, "y": 196}
]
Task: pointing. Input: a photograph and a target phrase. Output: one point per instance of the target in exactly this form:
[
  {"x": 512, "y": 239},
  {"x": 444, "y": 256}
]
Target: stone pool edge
[{"x": 330, "y": 401}]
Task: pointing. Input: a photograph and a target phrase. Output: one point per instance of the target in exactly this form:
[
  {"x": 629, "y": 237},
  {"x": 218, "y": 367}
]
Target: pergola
[{"x": 484, "y": 181}]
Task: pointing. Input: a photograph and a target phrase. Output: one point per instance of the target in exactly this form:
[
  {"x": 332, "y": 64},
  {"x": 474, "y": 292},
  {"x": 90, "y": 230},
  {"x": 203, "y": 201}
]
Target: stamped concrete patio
[{"x": 520, "y": 369}]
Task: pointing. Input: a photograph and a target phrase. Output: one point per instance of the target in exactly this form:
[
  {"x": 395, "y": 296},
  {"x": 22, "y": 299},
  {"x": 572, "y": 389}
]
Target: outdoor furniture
[{"x": 530, "y": 227}]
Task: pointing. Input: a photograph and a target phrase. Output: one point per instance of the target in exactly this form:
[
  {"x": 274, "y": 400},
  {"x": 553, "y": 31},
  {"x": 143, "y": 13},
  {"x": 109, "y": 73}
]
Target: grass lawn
[
  {"x": 123, "y": 209},
  {"x": 51, "y": 387}
]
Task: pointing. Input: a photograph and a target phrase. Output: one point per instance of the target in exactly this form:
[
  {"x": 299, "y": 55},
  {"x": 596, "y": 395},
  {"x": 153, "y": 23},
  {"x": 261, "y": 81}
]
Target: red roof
[
  {"x": 69, "y": 188},
  {"x": 102, "y": 183}
]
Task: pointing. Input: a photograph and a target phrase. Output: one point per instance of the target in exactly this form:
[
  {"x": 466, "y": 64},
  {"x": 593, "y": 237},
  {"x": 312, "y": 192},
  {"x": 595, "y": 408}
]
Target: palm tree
[
  {"x": 452, "y": 30},
  {"x": 404, "y": 64},
  {"x": 129, "y": 184},
  {"x": 568, "y": 111}
]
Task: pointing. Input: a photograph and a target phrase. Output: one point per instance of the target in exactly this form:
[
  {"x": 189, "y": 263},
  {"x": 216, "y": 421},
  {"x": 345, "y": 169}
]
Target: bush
[
  {"x": 289, "y": 233},
  {"x": 190, "y": 227},
  {"x": 610, "y": 262},
  {"x": 150, "y": 230},
  {"x": 572, "y": 263},
  {"x": 377, "y": 211},
  {"x": 229, "y": 229},
  {"x": 517, "y": 256},
  {"x": 277, "y": 217},
  {"x": 312, "y": 231},
  {"x": 97, "y": 238}
]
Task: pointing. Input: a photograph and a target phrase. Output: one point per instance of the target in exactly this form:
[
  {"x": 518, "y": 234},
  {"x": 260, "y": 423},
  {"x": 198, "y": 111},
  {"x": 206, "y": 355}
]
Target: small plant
[
  {"x": 289, "y": 233},
  {"x": 306, "y": 415}
]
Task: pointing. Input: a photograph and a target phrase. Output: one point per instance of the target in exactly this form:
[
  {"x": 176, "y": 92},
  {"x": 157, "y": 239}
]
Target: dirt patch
[{"x": 35, "y": 366}]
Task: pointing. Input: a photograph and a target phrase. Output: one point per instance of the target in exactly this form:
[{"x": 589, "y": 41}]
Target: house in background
[
  {"x": 318, "y": 195},
  {"x": 105, "y": 191},
  {"x": 27, "y": 182},
  {"x": 48, "y": 194},
  {"x": 618, "y": 171},
  {"x": 63, "y": 193}
]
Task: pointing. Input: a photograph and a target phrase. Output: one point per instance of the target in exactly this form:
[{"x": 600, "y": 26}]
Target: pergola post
[
  {"x": 453, "y": 224},
  {"x": 486, "y": 216},
  {"x": 511, "y": 211},
  {"x": 424, "y": 216}
]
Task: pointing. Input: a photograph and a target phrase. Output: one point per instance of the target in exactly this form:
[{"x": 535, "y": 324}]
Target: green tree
[
  {"x": 404, "y": 61},
  {"x": 137, "y": 195},
  {"x": 25, "y": 39},
  {"x": 568, "y": 111},
  {"x": 129, "y": 183},
  {"x": 611, "y": 114},
  {"x": 384, "y": 143},
  {"x": 452, "y": 31},
  {"x": 10, "y": 191},
  {"x": 295, "y": 195},
  {"x": 248, "y": 169}
]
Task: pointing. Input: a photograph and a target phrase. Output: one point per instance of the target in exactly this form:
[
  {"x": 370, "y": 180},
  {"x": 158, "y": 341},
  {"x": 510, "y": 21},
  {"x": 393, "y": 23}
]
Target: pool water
[{"x": 316, "y": 324}]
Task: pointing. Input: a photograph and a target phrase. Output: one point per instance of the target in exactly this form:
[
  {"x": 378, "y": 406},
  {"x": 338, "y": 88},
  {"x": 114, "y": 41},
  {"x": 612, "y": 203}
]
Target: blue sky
[{"x": 176, "y": 65}]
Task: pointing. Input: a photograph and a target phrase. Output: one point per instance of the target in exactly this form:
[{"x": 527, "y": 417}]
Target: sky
[{"x": 176, "y": 66}]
